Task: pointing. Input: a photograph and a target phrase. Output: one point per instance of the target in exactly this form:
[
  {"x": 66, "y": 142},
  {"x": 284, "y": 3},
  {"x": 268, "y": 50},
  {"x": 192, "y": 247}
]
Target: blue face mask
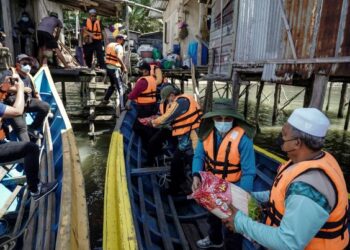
[
  {"x": 26, "y": 69},
  {"x": 223, "y": 127}
]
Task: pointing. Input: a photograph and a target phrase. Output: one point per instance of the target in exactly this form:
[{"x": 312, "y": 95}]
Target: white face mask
[
  {"x": 223, "y": 127},
  {"x": 25, "y": 18},
  {"x": 26, "y": 69}
]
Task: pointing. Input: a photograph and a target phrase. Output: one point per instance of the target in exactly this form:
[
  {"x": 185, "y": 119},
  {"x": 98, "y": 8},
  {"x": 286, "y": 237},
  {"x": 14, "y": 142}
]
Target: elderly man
[
  {"x": 183, "y": 116},
  {"x": 226, "y": 149},
  {"x": 308, "y": 202},
  {"x": 93, "y": 33},
  {"x": 115, "y": 67}
]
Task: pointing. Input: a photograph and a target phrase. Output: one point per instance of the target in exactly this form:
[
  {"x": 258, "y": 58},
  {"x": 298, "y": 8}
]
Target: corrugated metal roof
[
  {"x": 160, "y": 5},
  {"x": 318, "y": 29}
]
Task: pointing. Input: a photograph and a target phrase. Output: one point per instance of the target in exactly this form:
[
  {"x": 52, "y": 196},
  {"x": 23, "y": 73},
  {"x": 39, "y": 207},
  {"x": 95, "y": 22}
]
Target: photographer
[
  {"x": 32, "y": 101},
  {"x": 12, "y": 151}
]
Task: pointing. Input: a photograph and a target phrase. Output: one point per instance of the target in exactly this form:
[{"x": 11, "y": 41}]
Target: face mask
[
  {"x": 26, "y": 69},
  {"x": 280, "y": 142},
  {"x": 223, "y": 127},
  {"x": 25, "y": 18}
]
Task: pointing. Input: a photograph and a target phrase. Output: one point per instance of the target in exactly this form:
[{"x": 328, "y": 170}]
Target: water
[{"x": 94, "y": 156}]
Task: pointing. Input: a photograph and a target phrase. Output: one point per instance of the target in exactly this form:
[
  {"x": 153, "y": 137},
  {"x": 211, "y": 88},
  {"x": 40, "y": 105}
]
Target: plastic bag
[
  {"x": 216, "y": 194},
  {"x": 145, "y": 121}
]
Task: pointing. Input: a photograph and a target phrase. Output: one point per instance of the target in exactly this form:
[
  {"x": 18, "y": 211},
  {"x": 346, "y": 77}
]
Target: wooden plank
[
  {"x": 162, "y": 223},
  {"x": 149, "y": 171},
  {"x": 191, "y": 234},
  {"x": 20, "y": 212},
  {"x": 28, "y": 238},
  {"x": 9, "y": 201},
  {"x": 179, "y": 229}
]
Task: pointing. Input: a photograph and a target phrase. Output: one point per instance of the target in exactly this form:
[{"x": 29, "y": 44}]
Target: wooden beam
[
  {"x": 6, "y": 16},
  {"x": 246, "y": 100},
  {"x": 258, "y": 99},
  {"x": 346, "y": 126},
  {"x": 9, "y": 201},
  {"x": 319, "y": 91}
]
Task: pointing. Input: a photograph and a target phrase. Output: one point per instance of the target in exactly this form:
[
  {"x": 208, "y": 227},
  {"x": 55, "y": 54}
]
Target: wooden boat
[
  {"x": 60, "y": 221},
  {"x": 138, "y": 214}
]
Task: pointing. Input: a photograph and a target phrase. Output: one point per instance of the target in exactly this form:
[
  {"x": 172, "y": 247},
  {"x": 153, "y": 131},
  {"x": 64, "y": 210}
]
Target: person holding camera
[
  {"x": 14, "y": 151},
  {"x": 32, "y": 100}
]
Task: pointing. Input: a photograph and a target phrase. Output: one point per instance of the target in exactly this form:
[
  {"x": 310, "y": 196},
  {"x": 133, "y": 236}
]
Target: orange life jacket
[
  {"x": 334, "y": 233},
  {"x": 95, "y": 29},
  {"x": 188, "y": 121},
  {"x": 148, "y": 96},
  {"x": 111, "y": 55},
  {"x": 224, "y": 162}
]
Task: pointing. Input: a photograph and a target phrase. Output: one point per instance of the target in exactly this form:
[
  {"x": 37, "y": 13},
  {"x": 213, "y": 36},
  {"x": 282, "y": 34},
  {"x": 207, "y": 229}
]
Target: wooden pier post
[
  {"x": 236, "y": 85},
  {"x": 258, "y": 100},
  {"x": 329, "y": 95},
  {"x": 64, "y": 96},
  {"x": 307, "y": 96},
  {"x": 208, "y": 99},
  {"x": 319, "y": 88},
  {"x": 246, "y": 100},
  {"x": 346, "y": 126},
  {"x": 342, "y": 100},
  {"x": 277, "y": 95}
]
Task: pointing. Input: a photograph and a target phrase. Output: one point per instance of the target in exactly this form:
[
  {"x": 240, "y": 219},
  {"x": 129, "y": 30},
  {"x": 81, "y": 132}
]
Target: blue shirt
[
  {"x": 247, "y": 156},
  {"x": 2, "y": 109},
  {"x": 306, "y": 212}
]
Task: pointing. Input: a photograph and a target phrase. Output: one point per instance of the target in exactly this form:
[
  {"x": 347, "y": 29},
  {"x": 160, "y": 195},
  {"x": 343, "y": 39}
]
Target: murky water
[{"x": 94, "y": 157}]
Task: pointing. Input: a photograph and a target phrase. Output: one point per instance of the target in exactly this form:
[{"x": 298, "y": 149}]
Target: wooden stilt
[
  {"x": 307, "y": 96},
  {"x": 342, "y": 100},
  {"x": 236, "y": 85},
  {"x": 246, "y": 99},
  {"x": 275, "y": 103},
  {"x": 329, "y": 95},
  {"x": 319, "y": 91},
  {"x": 208, "y": 100},
  {"x": 182, "y": 85},
  {"x": 64, "y": 97},
  {"x": 258, "y": 99},
  {"x": 346, "y": 126}
]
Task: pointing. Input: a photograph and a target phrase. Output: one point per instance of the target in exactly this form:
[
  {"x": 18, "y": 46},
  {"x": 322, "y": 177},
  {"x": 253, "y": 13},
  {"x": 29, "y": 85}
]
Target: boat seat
[
  {"x": 9, "y": 201},
  {"x": 264, "y": 177}
]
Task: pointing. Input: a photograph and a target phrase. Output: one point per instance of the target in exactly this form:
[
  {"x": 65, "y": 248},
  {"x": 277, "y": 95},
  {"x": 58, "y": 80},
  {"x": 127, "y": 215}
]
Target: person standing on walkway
[
  {"x": 308, "y": 201},
  {"x": 115, "y": 68},
  {"x": 48, "y": 32},
  {"x": 94, "y": 35}
]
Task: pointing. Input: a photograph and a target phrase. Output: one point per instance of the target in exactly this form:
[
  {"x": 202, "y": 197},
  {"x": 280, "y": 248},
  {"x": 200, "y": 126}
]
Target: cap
[
  {"x": 54, "y": 14},
  {"x": 166, "y": 91},
  {"x": 21, "y": 57},
  {"x": 310, "y": 121},
  {"x": 92, "y": 11},
  {"x": 144, "y": 65}
]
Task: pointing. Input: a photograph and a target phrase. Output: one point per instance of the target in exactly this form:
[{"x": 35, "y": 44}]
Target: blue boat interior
[{"x": 163, "y": 221}]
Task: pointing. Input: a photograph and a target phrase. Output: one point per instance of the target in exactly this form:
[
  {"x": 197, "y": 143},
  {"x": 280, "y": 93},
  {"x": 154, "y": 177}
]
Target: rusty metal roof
[{"x": 304, "y": 36}]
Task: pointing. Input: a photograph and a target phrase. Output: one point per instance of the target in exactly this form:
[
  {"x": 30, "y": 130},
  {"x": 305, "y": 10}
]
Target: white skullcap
[
  {"x": 310, "y": 121},
  {"x": 92, "y": 11}
]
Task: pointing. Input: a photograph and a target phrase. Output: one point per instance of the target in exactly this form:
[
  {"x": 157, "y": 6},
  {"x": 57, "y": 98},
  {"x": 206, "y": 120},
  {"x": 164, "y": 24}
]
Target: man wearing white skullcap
[{"x": 308, "y": 202}]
